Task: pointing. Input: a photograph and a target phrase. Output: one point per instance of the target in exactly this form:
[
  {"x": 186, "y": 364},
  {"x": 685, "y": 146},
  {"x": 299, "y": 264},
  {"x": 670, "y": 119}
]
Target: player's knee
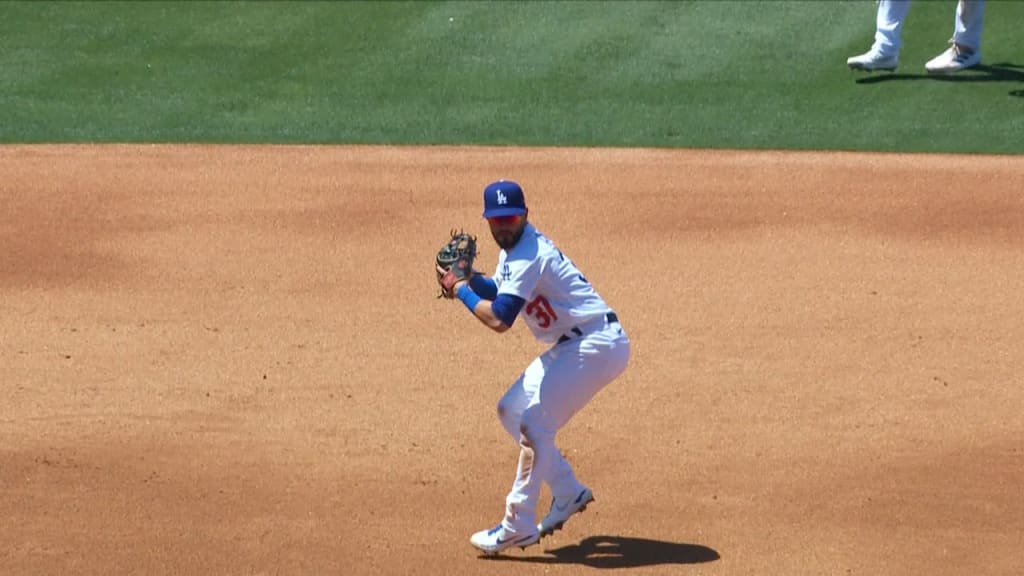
[
  {"x": 530, "y": 425},
  {"x": 507, "y": 416},
  {"x": 509, "y": 419}
]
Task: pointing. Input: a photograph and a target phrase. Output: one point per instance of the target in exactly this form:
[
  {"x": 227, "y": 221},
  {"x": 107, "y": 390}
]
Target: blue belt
[{"x": 610, "y": 317}]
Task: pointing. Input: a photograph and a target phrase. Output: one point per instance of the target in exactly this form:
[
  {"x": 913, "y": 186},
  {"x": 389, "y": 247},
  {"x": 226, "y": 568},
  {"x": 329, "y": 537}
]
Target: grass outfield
[{"x": 680, "y": 74}]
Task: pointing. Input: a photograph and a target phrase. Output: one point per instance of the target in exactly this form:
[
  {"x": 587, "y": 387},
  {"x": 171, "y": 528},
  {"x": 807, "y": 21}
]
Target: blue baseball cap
[{"x": 503, "y": 198}]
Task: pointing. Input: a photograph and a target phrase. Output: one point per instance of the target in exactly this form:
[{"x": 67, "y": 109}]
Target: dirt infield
[{"x": 229, "y": 360}]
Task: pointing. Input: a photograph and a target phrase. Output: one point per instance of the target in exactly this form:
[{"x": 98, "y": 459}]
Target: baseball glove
[{"x": 454, "y": 262}]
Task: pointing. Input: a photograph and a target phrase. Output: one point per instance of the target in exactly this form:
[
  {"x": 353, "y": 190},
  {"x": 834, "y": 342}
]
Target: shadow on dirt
[
  {"x": 1001, "y": 72},
  {"x": 620, "y": 552}
]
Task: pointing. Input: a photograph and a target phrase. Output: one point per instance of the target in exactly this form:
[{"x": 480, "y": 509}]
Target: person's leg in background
[
  {"x": 885, "y": 52},
  {"x": 965, "y": 46},
  {"x": 889, "y": 26}
]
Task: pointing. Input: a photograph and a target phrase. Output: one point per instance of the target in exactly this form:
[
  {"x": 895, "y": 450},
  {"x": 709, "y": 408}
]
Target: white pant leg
[
  {"x": 510, "y": 411},
  {"x": 889, "y": 26},
  {"x": 557, "y": 385},
  {"x": 968, "y": 24}
]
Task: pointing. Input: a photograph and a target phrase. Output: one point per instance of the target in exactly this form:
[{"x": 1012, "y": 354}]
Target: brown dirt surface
[{"x": 230, "y": 360}]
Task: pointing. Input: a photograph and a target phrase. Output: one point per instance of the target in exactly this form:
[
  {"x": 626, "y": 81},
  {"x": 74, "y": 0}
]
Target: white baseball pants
[{"x": 554, "y": 387}]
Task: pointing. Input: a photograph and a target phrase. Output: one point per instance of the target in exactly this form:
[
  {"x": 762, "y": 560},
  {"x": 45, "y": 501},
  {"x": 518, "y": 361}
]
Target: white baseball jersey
[{"x": 558, "y": 296}]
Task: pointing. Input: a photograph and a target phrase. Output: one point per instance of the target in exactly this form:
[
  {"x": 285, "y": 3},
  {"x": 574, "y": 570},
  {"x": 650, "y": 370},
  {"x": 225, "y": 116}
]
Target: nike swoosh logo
[
  {"x": 523, "y": 539},
  {"x": 578, "y": 500}
]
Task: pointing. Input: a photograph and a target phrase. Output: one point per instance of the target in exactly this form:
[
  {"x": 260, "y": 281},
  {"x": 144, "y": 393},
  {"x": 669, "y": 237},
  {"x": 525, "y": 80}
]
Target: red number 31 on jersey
[{"x": 541, "y": 309}]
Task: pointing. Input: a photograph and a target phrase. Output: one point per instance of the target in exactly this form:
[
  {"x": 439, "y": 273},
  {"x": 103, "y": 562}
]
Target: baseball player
[
  {"x": 964, "y": 50},
  {"x": 535, "y": 281}
]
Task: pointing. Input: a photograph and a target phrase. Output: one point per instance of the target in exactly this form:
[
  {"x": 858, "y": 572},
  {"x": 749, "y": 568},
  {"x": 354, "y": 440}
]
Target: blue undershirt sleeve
[
  {"x": 484, "y": 286},
  {"x": 506, "y": 307}
]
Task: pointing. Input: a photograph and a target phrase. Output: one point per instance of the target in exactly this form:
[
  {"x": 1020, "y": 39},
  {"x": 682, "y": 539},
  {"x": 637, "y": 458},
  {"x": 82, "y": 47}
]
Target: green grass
[{"x": 705, "y": 73}]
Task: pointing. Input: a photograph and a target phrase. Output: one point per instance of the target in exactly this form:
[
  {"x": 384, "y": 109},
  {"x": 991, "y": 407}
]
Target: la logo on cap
[{"x": 502, "y": 199}]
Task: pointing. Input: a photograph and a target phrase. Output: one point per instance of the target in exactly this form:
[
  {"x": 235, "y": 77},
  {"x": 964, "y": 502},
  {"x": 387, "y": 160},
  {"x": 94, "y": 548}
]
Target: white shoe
[
  {"x": 500, "y": 538},
  {"x": 562, "y": 509},
  {"x": 872, "y": 60},
  {"x": 954, "y": 59}
]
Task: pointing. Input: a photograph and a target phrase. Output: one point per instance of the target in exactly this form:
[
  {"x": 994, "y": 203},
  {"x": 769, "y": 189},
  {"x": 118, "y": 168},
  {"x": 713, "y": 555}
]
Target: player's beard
[{"x": 506, "y": 239}]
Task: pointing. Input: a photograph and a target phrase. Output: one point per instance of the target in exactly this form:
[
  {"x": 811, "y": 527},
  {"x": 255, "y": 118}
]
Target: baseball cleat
[
  {"x": 954, "y": 59},
  {"x": 499, "y": 538},
  {"x": 562, "y": 509},
  {"x": 871, "y": 61}
]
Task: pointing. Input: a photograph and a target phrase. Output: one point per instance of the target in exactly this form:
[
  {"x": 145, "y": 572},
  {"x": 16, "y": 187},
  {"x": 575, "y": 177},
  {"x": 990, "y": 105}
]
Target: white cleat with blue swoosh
[
  {"x": 500, "y": 538},
  {"x": 562, "y": 509}
]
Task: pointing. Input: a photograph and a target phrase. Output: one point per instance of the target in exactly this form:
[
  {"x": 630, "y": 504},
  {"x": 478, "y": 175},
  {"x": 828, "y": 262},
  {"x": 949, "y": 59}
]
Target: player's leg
[
  {"x": 510, "y": 412},
  {"x": 885, "y": 51},
  {"x": 513, "y": 531},
  {"x": 967, "y": 28},
  {"x": 965, "y": 46},
  {"x": 520, "y": 509},
  {"x": 889, "y": 26}
]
